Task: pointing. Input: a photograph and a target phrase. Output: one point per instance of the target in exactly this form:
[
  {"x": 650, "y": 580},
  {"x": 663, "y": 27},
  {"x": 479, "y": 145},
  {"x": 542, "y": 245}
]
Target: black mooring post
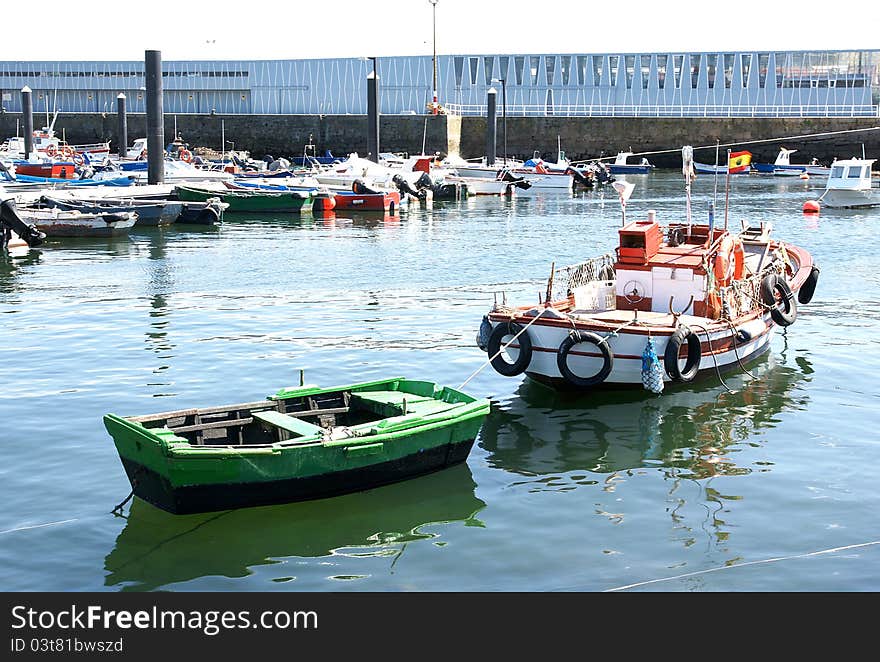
[
  {"x": 27, "y": 110},
  {"x": 491, "y": 98},
  {"x": 121, "y": 126},
  {"x": 155, "y": 118},
  {"x": 373, "y": 116}
]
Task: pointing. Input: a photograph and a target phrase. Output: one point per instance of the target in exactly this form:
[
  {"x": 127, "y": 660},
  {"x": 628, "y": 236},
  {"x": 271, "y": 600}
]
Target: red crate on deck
[{"x": 639, "y": 242}]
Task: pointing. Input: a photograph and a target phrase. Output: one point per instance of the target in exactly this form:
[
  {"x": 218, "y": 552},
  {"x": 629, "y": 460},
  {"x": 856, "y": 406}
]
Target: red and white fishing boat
[{"x": 668, "y": 304}]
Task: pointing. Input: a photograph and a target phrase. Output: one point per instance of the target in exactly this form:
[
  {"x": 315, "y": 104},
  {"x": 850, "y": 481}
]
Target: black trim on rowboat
[{"x": 155, "y": 489}]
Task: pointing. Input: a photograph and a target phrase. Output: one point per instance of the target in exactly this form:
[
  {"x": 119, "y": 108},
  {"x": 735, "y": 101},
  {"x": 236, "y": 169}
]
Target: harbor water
[{"x": 763, "y": 482}]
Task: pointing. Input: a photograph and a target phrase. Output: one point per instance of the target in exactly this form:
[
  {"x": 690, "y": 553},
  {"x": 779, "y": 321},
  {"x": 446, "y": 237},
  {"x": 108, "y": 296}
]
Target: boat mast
[
  {"x": 687, "y": 169},
  {"x": 727, "y": 190}
]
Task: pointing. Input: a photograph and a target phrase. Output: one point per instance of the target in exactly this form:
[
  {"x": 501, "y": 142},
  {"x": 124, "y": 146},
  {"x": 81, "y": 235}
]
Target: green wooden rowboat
[
  {"x": 250, "y": 200},
  {"x": 301, "y": 443}
]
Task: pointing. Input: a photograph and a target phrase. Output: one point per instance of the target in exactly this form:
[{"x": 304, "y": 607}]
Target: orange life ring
[
  {"x": 51, "y": 150},
  {"x": 185, "y": 154},
  {"x": 729, "y": 261},
  {"x": 66, "y": 151}
]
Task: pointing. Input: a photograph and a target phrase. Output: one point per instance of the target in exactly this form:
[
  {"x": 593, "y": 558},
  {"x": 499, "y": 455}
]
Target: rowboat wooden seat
[
  {"x": 390, "y": 403},
  {"x": 291, "y": 424}
]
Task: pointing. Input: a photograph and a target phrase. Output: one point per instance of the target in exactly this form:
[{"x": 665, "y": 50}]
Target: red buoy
[
  {"x": 324, "y": 202},
  {"x": 811, "y": 207}
]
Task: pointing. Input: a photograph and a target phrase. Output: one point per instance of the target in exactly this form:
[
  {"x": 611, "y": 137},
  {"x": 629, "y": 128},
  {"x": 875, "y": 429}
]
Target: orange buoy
[
  {"x": 811, "y": 207},
  {"x": 804, "y": 175},
  {"x": 324, "y": 202}
]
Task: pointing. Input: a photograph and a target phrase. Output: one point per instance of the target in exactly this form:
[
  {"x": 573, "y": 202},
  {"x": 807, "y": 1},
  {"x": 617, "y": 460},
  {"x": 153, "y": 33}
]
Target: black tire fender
[
  {"x": 680, "y": 336},
  {"x": 494, "y": 345},
  {"x": 575, "y": 338},
  {"x": 805, "y": 294},
  {"x": 784, "y": 309}
]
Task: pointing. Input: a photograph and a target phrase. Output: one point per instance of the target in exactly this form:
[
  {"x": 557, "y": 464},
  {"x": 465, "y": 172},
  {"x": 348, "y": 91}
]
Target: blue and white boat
[
  {"x": 783, "y": 167},
  {"x": 622, "y": 167}
]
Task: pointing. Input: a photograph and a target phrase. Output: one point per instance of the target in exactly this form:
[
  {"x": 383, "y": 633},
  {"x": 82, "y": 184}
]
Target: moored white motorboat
[
  {"x": 850, "y": 185},
  {"x": 783, "y": 167},
  {"x": 621, "y": 165},
  {"x": 695, "y": 298}
]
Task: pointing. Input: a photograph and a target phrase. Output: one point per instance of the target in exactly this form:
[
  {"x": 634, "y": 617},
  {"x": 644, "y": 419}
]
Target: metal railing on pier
[{"x": 596, "y": 110}]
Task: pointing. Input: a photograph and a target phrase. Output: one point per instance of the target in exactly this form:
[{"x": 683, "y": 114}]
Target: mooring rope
[
  {"x": 737, "y": 144},
  {"x": 498, "y": 353},
  {"x": 741, "y": 565}
]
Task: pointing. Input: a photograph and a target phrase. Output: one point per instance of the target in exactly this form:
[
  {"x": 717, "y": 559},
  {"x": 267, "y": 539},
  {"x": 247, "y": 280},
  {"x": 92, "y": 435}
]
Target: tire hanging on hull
[
  {"x": 783, "y": 310},
  {"x": 575, "y": 338},
  {"x": 805, "y": 294},
  {"x": 493, "y": 347},
  {"x": 680, "y": 336}
]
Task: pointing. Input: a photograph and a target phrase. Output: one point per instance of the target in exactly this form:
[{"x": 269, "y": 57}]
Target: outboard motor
[
  {"x": 425, "y": 181},
  {"x": 358, "y": 186},
  {"x": 9, "y": 218},
  {"x": 520, "y": 182},
  {"x": 406, "y": 188},
  {"x": 579, "y": 177},
  {"x": 603, "y": 174}
]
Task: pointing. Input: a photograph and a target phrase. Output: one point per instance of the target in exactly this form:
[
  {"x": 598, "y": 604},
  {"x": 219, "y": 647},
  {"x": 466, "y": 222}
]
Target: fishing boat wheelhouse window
[
  {"x": 855, "y": 172},
  {"x": 837, "y": 171}
]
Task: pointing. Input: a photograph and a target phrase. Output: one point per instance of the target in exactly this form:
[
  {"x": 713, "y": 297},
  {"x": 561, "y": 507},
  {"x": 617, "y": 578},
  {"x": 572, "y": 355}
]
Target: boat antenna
[
  {"x": 727, "y": 190},
  {"x": 687, "y": 169}
]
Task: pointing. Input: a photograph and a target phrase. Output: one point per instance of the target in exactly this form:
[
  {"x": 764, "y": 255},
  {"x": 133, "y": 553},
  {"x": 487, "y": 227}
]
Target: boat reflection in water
[
  {"x": 548, "y": 436},
  {"x": 155, "y": 549}
]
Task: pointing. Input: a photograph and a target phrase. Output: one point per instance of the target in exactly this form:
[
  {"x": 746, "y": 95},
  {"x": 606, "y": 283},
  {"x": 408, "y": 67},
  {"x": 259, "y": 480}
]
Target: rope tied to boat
[
  {"x": 117, "y": 510},
  {"x": 503, "y": 347}
]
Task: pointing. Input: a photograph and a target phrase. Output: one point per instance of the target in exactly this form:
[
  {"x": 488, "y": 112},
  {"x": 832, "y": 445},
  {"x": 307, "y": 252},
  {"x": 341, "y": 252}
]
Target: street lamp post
[
  {"x": 503, "y": 82},
  {"x": 434, "y": 105}
]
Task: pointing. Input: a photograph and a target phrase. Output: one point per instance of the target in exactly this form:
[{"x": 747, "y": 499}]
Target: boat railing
[{"x": 566, "y": 279}]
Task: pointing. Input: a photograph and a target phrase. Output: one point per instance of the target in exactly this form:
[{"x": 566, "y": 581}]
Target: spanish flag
[{"x": 739, "y": 162}]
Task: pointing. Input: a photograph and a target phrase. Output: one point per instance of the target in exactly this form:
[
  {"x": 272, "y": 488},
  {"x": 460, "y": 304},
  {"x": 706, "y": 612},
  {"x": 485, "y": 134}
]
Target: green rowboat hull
[
  {"x": 247, "y": 201},
  {"x": 301, "y": 443}
]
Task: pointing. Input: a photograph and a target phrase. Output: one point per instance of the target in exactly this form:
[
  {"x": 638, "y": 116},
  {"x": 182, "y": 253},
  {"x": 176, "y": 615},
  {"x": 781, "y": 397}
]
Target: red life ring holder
[
  {"x": 51, "y": 150},
  {"x": 185, "y": 155},
  {"x": 729, "y": 262}
]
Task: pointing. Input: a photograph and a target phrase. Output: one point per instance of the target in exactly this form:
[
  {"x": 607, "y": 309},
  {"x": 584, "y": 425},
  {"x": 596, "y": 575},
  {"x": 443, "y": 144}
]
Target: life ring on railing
[
  {"x": 185, "y": 155},
  {"x": 805, "y": 294},
  {"x": 729, "y": 261},
  {"x": 576, "y": 338},
  {"x": 777, "y": 295},
  {"x": 679, "y": 337},
  {"x": 525, "y": 349},
  {"x": 51, "y": 150},
  {"x": 78, "y": 158},
  {"x": 66, "y": 151}
]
